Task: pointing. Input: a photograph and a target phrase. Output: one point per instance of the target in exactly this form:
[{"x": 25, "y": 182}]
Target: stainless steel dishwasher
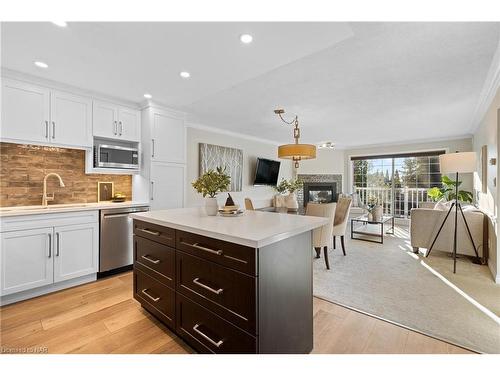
[{"x": 116, "y": 250}]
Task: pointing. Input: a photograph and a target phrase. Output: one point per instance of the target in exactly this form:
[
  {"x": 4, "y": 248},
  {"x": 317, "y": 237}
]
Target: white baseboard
[{"x": 27, "y": 294}]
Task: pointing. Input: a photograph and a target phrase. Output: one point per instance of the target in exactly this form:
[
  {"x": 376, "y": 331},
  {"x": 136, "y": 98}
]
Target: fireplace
[{"x": 320, "y": 192}]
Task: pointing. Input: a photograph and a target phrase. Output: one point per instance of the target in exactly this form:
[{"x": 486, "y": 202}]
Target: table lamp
[{"x": 458, "y": 162}]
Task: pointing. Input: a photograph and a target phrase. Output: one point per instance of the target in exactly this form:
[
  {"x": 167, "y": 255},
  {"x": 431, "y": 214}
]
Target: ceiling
[{"x": 351, "y": 83}]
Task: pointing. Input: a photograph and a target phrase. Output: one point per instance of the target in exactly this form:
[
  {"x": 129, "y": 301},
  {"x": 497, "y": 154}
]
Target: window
[{"x": 399, "y": 181}]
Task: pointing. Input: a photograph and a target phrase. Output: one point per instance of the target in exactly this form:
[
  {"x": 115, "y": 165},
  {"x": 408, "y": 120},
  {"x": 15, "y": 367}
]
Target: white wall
[
  {"x": 326, "y": 162},
  {"x": 487, "y": 134},
  {"x": 452, "y": 145},
  {"x": 252, "y": 148}
]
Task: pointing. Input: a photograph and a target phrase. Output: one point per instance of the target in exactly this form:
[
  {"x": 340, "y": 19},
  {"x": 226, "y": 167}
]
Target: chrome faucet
[{"x": 46, "y": 198}]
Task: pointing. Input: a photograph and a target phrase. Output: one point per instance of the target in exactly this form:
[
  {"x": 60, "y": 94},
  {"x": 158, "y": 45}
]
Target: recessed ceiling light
[
  {"x": 41, "y": 64},
  {"x": 148, "y": 96},
  {"x": 60, "y": 23},
  {"x": 185, "y": 74},
  {"x": 246, "y": 38}
]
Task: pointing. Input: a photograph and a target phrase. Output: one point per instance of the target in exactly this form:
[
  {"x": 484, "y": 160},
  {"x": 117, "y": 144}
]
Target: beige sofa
[{"x": 425, "y": 223}]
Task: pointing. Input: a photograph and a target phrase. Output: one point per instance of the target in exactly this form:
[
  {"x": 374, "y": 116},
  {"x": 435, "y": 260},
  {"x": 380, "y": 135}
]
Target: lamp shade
[
  {"x": 298, "y": 151},
  {"x": 458, "y": 162}
]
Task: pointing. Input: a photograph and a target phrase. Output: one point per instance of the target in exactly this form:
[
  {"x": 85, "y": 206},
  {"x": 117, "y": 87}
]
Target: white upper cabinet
[
  {"x": 168, "y": 142},
  {"x": 32, "y": 113},
  {"x": 105, "y": 119},
  {"x": 25, "y": 112},
  {"x": 116, "y": 122},
  {"x": 129, "y": 124},
  {"x": 70, "y": 119}
]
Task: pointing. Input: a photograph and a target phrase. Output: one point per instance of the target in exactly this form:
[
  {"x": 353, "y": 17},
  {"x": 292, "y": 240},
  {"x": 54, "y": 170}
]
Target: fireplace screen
[{"x": 320, "y": 192}]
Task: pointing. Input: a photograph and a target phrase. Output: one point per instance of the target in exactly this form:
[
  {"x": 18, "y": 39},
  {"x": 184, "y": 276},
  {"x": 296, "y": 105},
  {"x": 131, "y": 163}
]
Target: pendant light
[{"x": 295, "y": 151}]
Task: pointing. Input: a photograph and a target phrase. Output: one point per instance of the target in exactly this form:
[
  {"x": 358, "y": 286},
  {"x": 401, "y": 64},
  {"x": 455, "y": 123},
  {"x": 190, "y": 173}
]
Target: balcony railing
[{"x": 400, "y": 205}]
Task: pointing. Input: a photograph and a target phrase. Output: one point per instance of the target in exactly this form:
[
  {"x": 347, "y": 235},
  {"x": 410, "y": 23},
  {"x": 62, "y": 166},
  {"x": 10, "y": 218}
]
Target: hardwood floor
[{"x": 102, "y": 317}]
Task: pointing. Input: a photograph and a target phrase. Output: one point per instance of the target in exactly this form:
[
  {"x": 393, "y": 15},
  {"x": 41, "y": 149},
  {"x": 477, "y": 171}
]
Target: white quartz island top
[
  {"x": 56, "y": 208},
  {"x": 253, "y": 228}
]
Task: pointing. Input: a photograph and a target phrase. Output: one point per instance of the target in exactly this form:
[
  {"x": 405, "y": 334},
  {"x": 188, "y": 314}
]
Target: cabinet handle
[
  {"x": 196, "y": 246},
  {"x": 49, "y": 235},
  {"x": 115, "y": 128},
  {"x": 153, "y": 232},
  {"x": 53, "y": 129},
  {"x": 57, "y": 247},
  {"x": 121, "y": 128},
  {"x": 154, "y": 261},
  {"x": 213, "y": 342},
  {"x": 47, "y": 129},
  {"x": 152, "y": 190},
  {"x": 150, "y": 296},
  {"x": 215, "y": 291},
  {"x": 152, "y": 148}
]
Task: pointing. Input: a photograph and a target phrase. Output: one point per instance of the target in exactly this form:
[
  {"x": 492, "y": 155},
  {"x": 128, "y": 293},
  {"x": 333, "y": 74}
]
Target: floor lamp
[{"x": 459, "y": 162}]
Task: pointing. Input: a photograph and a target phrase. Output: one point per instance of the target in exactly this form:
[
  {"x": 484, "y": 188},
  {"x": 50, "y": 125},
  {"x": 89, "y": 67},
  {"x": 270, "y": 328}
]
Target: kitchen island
[{"x": 228, "y": 284}]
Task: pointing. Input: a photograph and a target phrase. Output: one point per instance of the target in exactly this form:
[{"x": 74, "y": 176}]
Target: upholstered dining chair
[
  {"x": 322, "y": 235},
  {"x": 340, "y": 220}
]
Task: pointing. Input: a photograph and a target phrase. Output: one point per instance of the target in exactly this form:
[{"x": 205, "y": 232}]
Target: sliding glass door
[{"x": 398, "y": 181}]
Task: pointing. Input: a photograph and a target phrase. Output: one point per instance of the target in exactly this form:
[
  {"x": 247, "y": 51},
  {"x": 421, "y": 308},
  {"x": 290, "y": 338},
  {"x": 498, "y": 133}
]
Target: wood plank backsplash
[{"x": 23, "y": 168}]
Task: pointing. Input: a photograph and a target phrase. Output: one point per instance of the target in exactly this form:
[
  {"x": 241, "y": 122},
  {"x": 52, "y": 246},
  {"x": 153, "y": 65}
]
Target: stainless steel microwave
[{"x": 117, "y": 157}]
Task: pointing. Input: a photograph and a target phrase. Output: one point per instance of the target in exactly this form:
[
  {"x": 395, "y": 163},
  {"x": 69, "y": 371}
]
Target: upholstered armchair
[
  {"x": 340, "y": 220},
  {"x": 322, "y": 235}
]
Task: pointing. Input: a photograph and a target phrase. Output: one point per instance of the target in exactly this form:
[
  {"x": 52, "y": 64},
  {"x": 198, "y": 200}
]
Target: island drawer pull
[
  {"x": 144, "y": 291},
  {"x": 197, "y": 282},
  {"x": 199, "y": 247},
  {"x": 153, "y": 232},
  {"x": 217, "y": 344},
  {"x": 146, "y": 257}
]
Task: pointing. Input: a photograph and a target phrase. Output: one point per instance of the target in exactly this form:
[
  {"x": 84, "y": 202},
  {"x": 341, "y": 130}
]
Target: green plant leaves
[{"x": 212, "y": 182}]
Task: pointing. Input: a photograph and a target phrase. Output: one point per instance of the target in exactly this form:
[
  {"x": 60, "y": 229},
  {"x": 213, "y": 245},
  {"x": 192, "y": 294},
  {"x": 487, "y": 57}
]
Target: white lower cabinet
[
  {"x": 167, "y": 185},
  {"x": 76, "y": 251},
  {"x": 44, "y": 253},
  {"x": 26, "y": 259}
]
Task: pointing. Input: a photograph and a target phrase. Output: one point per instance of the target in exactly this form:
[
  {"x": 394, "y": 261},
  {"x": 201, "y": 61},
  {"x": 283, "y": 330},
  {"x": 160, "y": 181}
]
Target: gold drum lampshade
[{"x": 299, "y": 151}]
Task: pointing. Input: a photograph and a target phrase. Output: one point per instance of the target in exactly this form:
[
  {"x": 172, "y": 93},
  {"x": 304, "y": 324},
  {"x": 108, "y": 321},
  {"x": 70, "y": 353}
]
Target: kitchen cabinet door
[
  {"x": 129, "y": 124},
  {"x": 167, "y": 185},
  {"x": 168, "y": 139},
  {"x": 25, "y": 112},
  {"x": 70, "y": 119},
  {"x": 104, "y": 119},
  {"x": 27, "y": 259},
  {"x": 76, "y": 251}
]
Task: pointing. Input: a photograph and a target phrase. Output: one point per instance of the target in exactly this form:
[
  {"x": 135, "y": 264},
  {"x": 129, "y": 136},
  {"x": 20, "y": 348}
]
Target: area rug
[{"x": 423, "y": 294}]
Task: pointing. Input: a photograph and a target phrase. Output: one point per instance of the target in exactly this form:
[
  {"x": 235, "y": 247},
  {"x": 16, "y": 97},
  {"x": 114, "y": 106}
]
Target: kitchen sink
[{"x": 40, "y": 207}]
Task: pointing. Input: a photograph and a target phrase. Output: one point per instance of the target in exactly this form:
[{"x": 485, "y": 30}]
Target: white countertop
[
  {"x": 55, "y": 208},
  {"x": 253, "y": 228}
]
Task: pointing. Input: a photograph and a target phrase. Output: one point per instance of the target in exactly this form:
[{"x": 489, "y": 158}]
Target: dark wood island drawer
[
  {"x": 155, "y": 232},
  {"x": 235, "y": 256},
  {"x": 209, "y": 333},
  {"x": 230, "y": 294},
  {"x": 156, "y": 297},
  {"x": 155, "y": 259}
]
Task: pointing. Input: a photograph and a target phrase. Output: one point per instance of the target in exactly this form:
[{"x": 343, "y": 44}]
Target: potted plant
[
  {"x": 447, "y": 191},
  {"x": 281, "y": 189},
  {"x": 291, "y": 199},
  {"x": 209, "y": 184},
  {"x": 374, "y": 208}
]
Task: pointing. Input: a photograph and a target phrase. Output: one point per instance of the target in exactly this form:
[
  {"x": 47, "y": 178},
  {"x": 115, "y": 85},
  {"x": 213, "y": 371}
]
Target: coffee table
[{"x": 364, "y": 221}]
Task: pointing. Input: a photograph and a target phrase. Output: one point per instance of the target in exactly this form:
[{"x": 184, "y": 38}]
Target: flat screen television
[{"x": 266, "y": 172}]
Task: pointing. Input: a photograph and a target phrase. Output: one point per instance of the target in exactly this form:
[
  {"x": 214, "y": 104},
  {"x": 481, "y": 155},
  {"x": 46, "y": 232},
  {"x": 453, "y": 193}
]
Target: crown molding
[
  {"x": 229, "y": 133},
  {"x": 414, "y": 142},
  {"x": 488, "y": 92},
  {"x": 56, "y": 85}
]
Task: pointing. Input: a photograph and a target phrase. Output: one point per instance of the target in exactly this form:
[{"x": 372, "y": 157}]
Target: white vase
[
  {"x": 377, "y": 213},
  {"x": 211, "y": 206},
  {"x": 291, "y": 201}
]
